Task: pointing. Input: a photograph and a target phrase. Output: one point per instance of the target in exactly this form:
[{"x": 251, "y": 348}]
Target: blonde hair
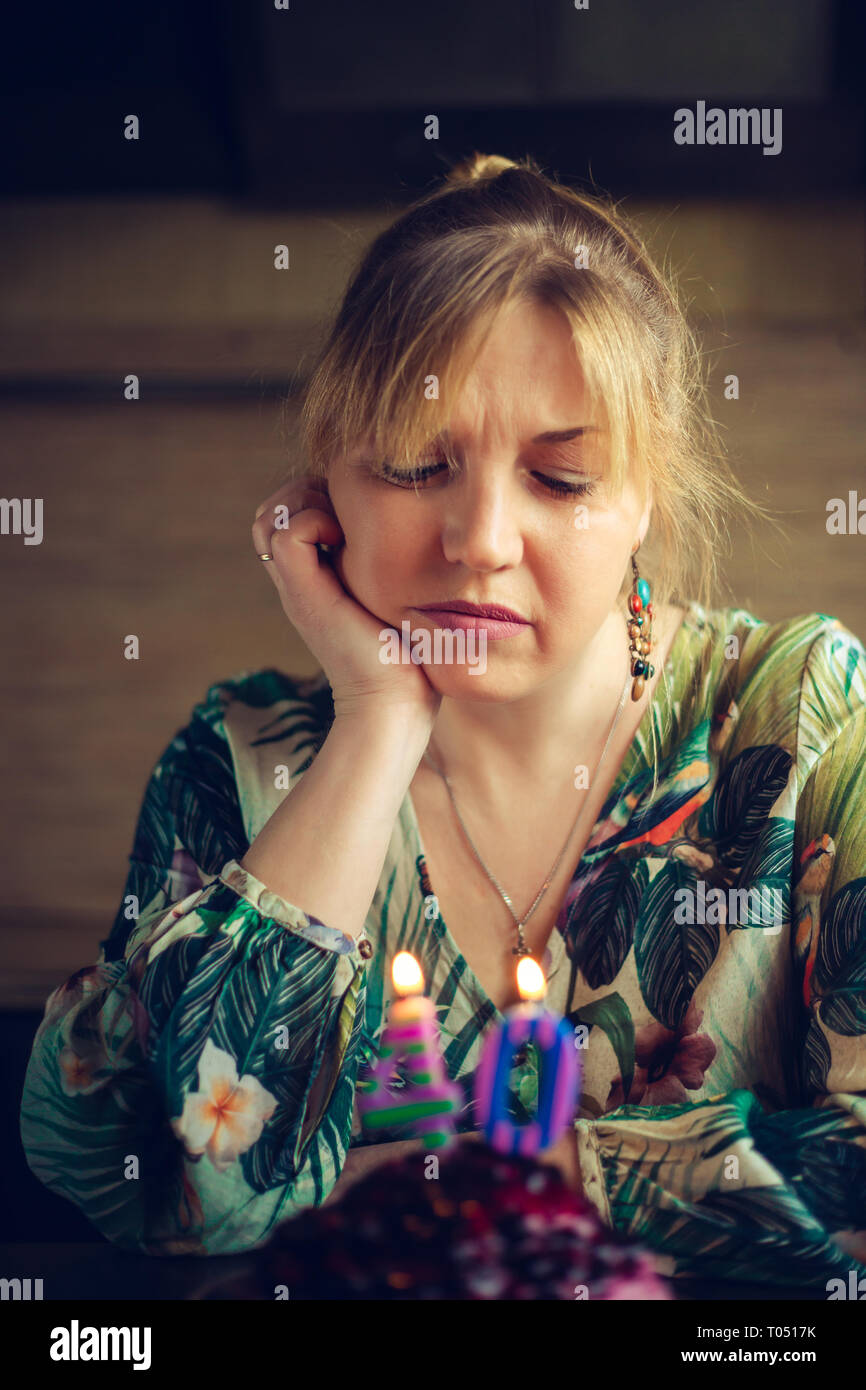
[{"x": 425, "y": 296}]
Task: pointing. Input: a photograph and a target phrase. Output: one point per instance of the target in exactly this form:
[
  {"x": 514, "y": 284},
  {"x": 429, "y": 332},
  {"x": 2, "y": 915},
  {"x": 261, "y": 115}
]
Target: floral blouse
[{"x": 198, "y": 1084}]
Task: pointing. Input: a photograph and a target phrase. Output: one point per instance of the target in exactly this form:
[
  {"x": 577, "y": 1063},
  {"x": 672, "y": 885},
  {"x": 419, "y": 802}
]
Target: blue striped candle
[{"x": 559, "y": 1089}]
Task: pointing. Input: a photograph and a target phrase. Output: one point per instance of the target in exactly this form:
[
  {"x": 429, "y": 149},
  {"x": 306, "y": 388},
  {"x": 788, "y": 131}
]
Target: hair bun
[{"x": 478, "y": 166}]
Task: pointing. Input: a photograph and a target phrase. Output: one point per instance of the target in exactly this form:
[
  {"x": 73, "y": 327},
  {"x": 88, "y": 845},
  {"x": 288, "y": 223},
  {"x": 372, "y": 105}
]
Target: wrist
[
  {"x": 386, "y": 724},
  {"x": 381, "y": 750}
]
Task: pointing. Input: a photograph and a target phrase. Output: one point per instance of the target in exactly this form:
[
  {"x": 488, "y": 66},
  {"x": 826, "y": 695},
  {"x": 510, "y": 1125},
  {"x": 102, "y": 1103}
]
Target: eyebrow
[
  {"x": 562, "y": 436},
  {"x": 547, "y": 437}
]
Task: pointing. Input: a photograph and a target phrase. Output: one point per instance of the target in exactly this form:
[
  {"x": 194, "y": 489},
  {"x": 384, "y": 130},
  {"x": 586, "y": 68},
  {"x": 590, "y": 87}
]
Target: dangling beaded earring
[{"x": 640, "y": 616}]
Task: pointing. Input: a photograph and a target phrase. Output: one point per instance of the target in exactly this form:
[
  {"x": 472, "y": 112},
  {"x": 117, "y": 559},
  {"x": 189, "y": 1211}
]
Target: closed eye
[{"x": 558, "y": 487}]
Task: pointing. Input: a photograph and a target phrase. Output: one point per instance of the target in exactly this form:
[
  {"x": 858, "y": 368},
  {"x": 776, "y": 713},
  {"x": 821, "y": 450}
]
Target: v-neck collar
[{"x": 634, "y": 761}]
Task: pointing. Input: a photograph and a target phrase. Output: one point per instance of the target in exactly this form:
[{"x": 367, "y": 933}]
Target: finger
[
  {"x": 304, "y": 486},
  {"x": 294, "y": 500},
  {"x": 279, "y": 509},
  {"x": 295, "y": 550},
  {"x": 296, "y": 568}
]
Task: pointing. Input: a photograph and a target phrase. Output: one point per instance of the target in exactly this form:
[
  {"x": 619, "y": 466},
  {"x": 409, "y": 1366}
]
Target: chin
[{"x": 484, "y": 687}]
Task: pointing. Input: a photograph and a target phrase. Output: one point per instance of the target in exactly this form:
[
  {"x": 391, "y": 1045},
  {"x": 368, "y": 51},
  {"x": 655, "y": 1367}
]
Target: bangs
[
  {"x": 394, "y": 399},
  {"x": 405, "y": 414}
]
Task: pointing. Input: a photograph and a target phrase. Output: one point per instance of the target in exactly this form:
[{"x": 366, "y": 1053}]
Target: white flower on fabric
[
  {"x": 77, "y": 1073},
  {"x": 226, "y": 1115}
]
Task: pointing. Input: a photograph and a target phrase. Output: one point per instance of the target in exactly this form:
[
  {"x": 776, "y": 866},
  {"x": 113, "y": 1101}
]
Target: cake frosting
[{"x": 488, "y": 1227}]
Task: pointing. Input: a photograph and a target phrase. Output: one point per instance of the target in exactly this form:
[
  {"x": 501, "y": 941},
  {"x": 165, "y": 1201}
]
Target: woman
[{"x": 656, "y": 798}]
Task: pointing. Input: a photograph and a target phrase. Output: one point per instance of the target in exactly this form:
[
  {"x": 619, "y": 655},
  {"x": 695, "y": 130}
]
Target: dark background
[{"x": 308, "y": 105}]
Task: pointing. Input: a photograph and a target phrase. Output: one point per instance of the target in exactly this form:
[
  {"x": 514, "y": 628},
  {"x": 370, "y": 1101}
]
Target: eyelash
[{"x": 555, "y": 486}]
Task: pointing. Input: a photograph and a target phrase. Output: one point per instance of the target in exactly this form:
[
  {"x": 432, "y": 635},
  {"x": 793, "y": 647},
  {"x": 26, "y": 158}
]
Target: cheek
[
  {"x": 582, "y": 555},
  {"x": 583, "y": 569},
  {"x": 382, "y": 539},
  {"x": 377, "y": 557}
]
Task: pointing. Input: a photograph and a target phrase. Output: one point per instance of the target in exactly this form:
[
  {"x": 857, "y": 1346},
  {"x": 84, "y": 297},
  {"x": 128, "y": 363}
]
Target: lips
[
  {"x": 475, "y": 610},
  {"x": 492, "y": 620}
]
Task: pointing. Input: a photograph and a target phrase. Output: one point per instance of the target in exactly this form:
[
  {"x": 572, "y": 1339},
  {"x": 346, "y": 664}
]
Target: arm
[
  {"x": 355, "y": 787},
  {"x": 196, "y": 1085}
]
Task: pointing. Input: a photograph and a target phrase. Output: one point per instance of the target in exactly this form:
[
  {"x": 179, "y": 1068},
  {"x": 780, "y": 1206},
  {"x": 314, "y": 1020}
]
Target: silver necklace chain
[{"x": 521, "y": 949}]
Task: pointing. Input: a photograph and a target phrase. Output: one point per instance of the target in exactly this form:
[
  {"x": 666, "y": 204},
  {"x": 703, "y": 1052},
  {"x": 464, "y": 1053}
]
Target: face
[{"x": 525, "y": 523}]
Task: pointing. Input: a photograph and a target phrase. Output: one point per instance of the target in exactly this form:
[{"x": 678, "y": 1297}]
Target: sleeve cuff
[
  {"x": 301, "y": 923},
  {"x": 592, "y": 1175}
]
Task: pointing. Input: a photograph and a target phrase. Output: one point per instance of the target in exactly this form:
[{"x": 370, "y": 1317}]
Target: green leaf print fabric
[{"x": 198, "y": 1084}]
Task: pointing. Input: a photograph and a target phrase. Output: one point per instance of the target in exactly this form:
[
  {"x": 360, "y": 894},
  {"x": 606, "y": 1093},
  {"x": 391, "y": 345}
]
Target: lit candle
[
  {"x": 431, "y": 1100},
  {"x": 560, "y": 1070}
]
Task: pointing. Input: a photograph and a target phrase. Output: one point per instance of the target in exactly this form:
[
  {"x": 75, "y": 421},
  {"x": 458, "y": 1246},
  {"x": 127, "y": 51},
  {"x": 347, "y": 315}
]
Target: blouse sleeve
[
  {"x": 719, "y": 1187},
  {"x": 195, "y": 1086}
]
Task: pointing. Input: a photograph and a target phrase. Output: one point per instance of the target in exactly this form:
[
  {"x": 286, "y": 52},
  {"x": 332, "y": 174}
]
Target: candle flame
[
  {"x": 530, "y": 979},
  {"x": 406, "y": 974}
]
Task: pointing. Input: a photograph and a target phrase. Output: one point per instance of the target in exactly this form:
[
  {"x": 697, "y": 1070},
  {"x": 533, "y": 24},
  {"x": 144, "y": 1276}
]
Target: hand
[{"x": 339, "y": 631}]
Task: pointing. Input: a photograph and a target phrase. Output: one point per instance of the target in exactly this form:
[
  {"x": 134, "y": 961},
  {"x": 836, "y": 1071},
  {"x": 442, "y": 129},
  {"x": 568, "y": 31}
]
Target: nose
[{"x": 481, "y": 524}]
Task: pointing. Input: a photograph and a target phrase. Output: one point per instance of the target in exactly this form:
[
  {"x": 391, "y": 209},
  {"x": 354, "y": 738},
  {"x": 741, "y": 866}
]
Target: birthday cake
[{"x": 489, "y": 1226}]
